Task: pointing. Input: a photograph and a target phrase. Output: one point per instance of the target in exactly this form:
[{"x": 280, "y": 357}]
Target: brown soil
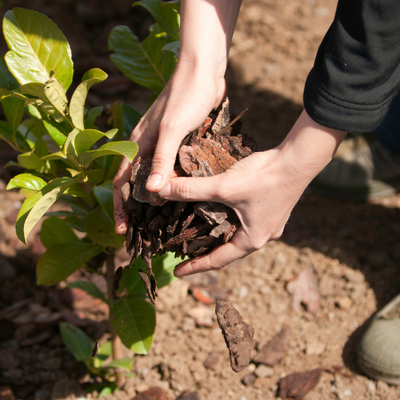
[{"x": 353, "y": 248}]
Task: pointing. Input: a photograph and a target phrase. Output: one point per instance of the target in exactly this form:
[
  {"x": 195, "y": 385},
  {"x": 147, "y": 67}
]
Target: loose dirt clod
[
  {"x": 237, "y": 333},
  {"x": 186, "y": 229}
]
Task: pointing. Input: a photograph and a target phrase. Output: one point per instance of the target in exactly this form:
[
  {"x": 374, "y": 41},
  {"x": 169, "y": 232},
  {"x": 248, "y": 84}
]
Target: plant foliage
[{"x": 64, "y": 157}]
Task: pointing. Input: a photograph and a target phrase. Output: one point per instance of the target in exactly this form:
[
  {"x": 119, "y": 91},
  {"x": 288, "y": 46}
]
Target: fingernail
[{"x": 154, "y": 181}]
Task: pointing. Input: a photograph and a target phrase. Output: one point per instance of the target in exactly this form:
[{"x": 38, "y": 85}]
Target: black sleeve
[{"x": 357, "y": 67}]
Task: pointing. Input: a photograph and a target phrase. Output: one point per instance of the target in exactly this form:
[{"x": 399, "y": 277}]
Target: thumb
[
  {"x": 193, "y": 189},
  {"x": 163, "y": 162}
]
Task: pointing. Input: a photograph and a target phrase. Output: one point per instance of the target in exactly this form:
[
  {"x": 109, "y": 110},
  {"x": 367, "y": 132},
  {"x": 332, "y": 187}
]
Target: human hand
[
  {"x": 182, "y": 107},
  {"x": 262, "y": 189}
]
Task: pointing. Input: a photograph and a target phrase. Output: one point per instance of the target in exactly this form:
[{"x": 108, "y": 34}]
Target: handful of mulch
[{"x": 185, "y": 228}]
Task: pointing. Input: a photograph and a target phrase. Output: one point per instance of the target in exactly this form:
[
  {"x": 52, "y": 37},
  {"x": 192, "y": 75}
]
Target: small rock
[
  {"x": 243, "y": 292},
  {"x": 315, "y": 348},
  {"x": 212, "y": 360},
  {"x": 251, "y": 368},
  {"x": 344, "y": 303},
  {"x": 188, "y": 324},
  {"x": 248, "y": 380},
  {"x": 275, "y": 350},
  {"x": 262, "y": 371},
  {"x": 203, "y": 316},
  {"x": 347, "y": 393}
]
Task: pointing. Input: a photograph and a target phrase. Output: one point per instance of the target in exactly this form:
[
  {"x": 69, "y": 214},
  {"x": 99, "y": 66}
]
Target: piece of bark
[
  {"x": 147, "y": 285},
  {"x": 140, "y": 171},
  {"x": 275, "y": 350},
  {"x": 117, "y": 277},
  {"x": 304, "y": 289},
  {"x": 297, "y": 385},
  {"x": 223, "y": 117},
  {"x": 237, "y": 333},
  {"x": 222, "y": 229},
  {"x": 212, "y": 213}
]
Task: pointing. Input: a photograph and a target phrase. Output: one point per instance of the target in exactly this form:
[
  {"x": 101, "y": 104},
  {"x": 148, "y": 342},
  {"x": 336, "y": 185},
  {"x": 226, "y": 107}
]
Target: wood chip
[{"x": 237, "y": 333}]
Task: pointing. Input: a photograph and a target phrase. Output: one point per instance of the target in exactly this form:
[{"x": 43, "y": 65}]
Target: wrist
[{"x": 309, "y": 147}]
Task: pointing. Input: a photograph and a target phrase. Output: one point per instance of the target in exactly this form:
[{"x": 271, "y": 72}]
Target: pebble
[
  {"x": 344, "y": 303},
  {"x": 243, "y": 292},
  {"x": 262, "y": 371},
  {"x": 347, "y": 393},
  {"x": 315, "y": 348},
  {"x": 248, "y": 380}
]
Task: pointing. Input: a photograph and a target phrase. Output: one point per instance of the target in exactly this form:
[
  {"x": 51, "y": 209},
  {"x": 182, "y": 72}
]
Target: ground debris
[
  {"x": 304, "y": 289},
  {"x": 191, "y": 229},
  {"x": 153, "y": 393},
  {"x": 238, "y": 334},
  {"x": 297, "y": 385},
  {"x": 275, "y": 350}
]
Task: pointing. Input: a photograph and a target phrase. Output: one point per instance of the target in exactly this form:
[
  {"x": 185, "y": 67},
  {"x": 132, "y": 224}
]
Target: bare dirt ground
[{"x": 353, "y": 248}]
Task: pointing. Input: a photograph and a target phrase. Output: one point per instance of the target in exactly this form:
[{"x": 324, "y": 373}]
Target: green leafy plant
[{"x": 65, "y": 157}]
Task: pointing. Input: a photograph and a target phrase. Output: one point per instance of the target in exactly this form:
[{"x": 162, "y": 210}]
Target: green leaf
[
  {"x": 6, "y": 132},
  {"x": 14, "y": 110},
  {"x": 134, "y": 321},
  {"x": 33, "y": 89},
  {"x": 61, "y": 260},
  {"x": 125, "y": 148},
  {"x": 30, "y": 160},
  {"x": 37, "y": 47},
  {"x": 76, "y": 341},
  {"x": 78, "y": 99},
  {"x": 163, "y": 267},
  {"x": 55, "y": 231},
  {"x": 55, "y": 94},
  {"x": 144, "y": 63},
  {"x": 7, "y": 80},
  {"x": 103, "y": 353},
  {"x": 104, "y": 195},
  {"x": 131, "y": 117},
  {"x": 56, "y": 134},
  {"x": 174, "y": 47},
  {"x": 85, "y": 139},
  {"x": 43, "y": 204},
  {"x": 26, "y": 181},
  {"x": 90, "y": 288},
  {"x": 100, "y": 229},
  {"x": 166, "y": 17},
  {"x": 91, "y": 117},
  {"x": 59, "y": 155},
  {"x": 125, "y": 363}
]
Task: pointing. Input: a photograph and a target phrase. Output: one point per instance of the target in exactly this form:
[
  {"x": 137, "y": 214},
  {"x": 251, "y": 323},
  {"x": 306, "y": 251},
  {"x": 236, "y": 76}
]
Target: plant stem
[{"x": 115, "y": 340}]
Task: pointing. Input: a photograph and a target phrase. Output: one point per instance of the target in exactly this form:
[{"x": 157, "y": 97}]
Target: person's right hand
[{"x": 183, "y": 105}]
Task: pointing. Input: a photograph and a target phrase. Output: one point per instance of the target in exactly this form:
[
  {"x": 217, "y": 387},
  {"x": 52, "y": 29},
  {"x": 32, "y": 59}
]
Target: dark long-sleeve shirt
[{"x": 357, "y": 67}]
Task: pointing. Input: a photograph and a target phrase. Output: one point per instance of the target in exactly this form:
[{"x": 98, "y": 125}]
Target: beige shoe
[{"x": 378, "y": 351}]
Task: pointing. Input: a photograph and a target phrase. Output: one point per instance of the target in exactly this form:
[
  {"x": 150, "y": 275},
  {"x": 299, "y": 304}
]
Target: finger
[
  {"x": 120, "y": 215},
  {"x": 163, "y": 161},
  {"x": 218, "y": 258},
  {"x": 193, "y": 189}
]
